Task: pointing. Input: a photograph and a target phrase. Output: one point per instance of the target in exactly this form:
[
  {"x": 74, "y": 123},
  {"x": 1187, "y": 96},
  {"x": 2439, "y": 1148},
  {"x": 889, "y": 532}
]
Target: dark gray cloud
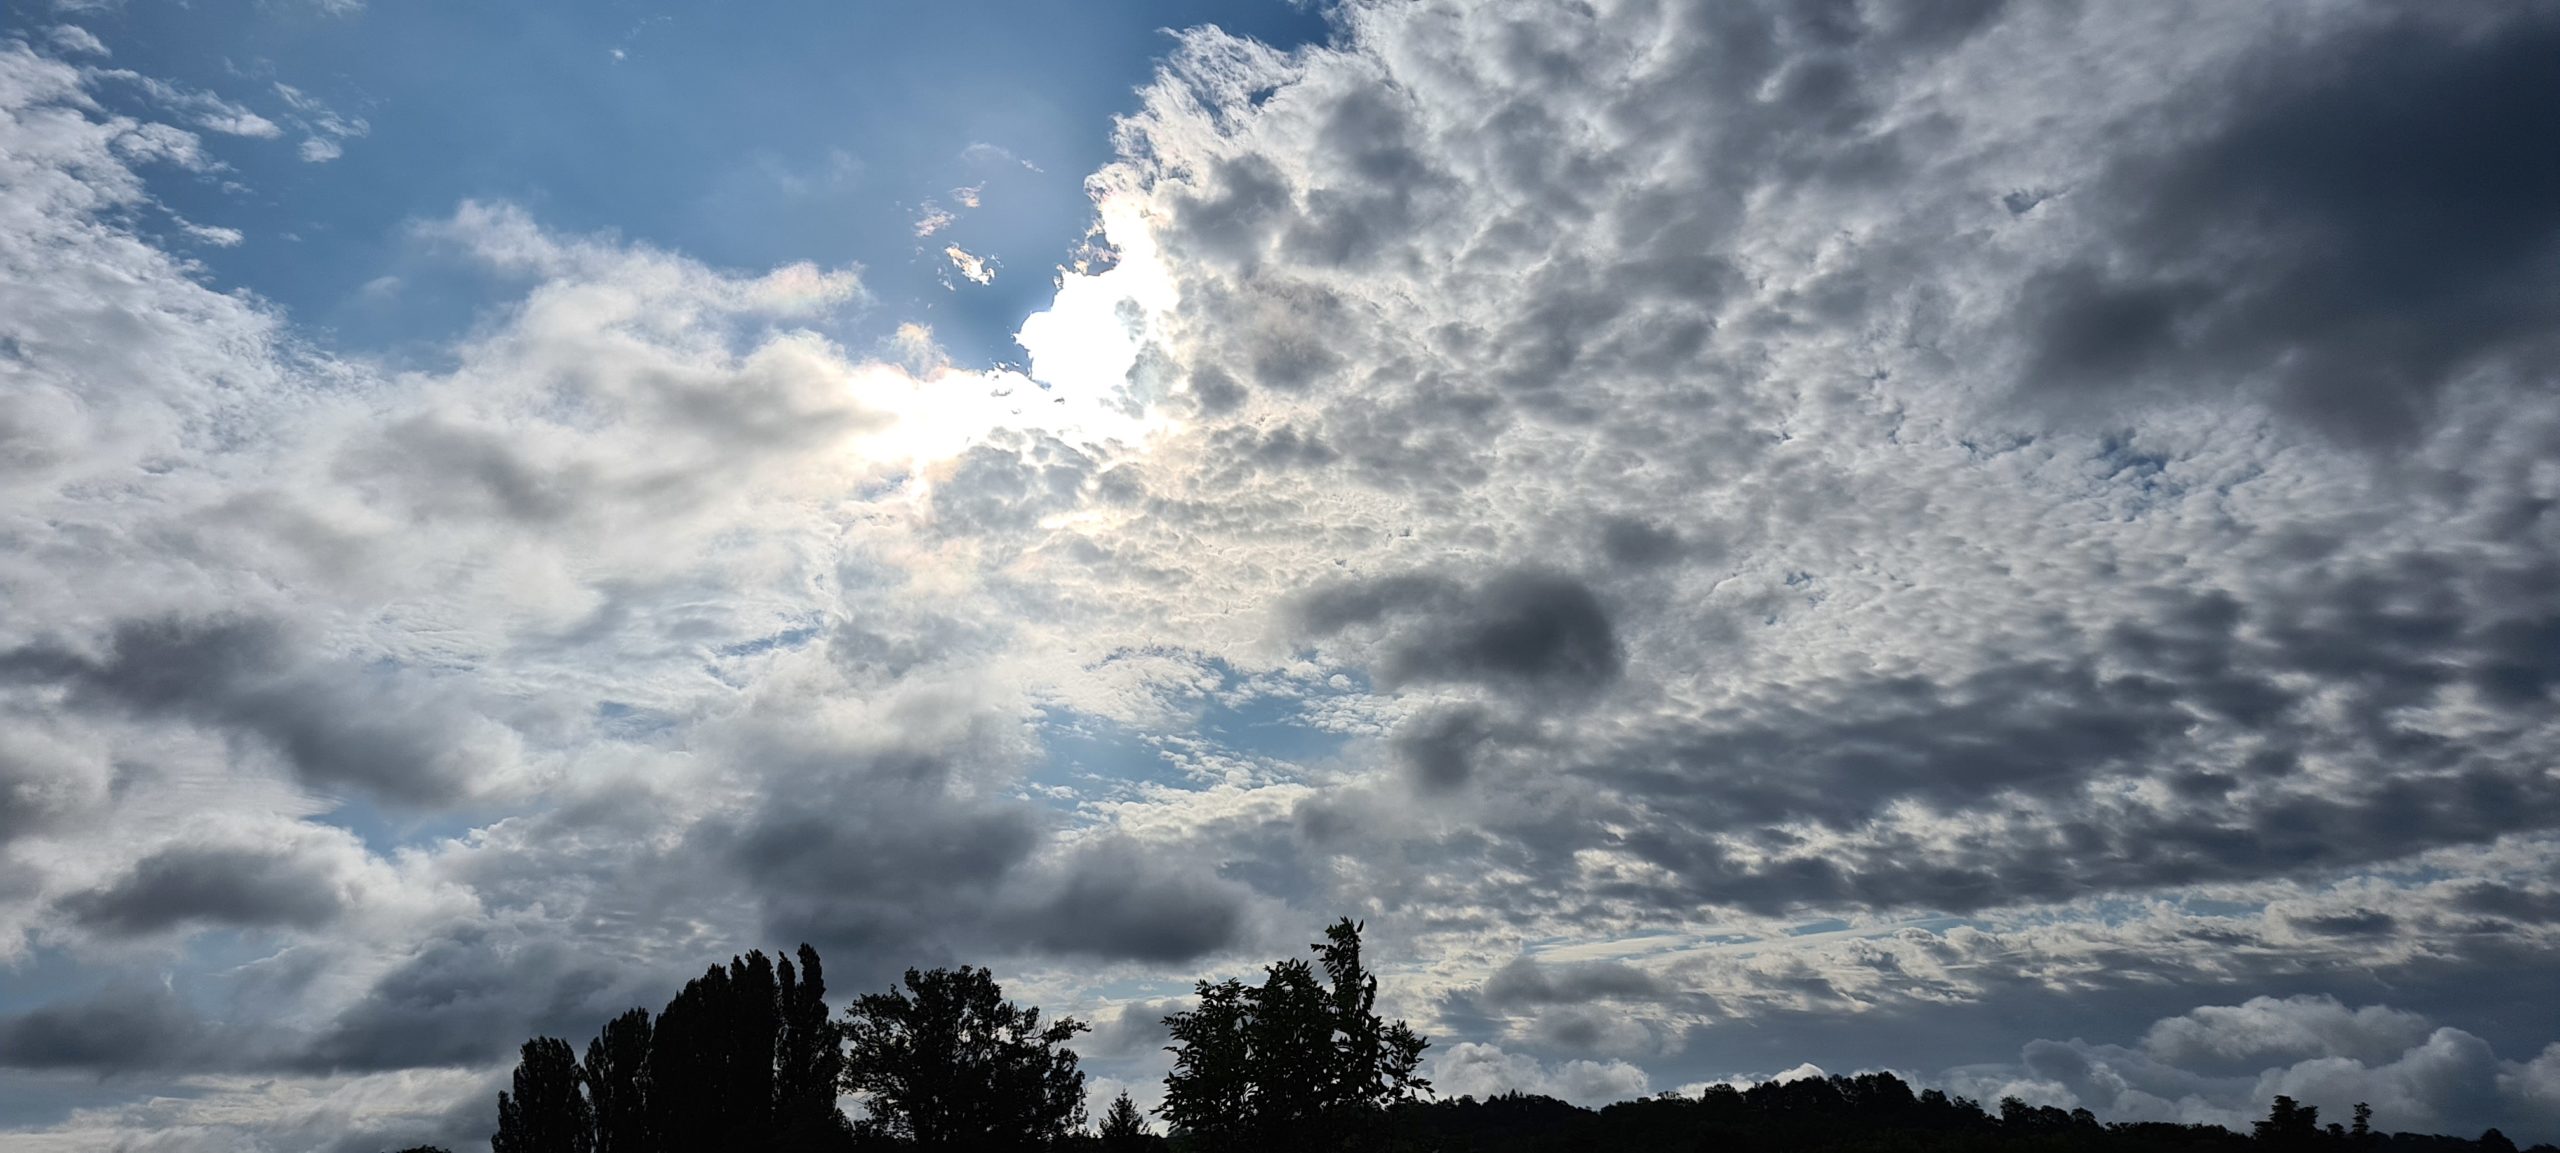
[
  {"x": 468, "y": 997},
  {"x": 42, "y": 783},
  {"x": 124, "y": 1029},
  {"x": 1117, "y": 902},
  {"x": 337, "y": 725},
  {"x": 1526, "y": 629},
  {"x": 2531, "y": 906},
  {"x": 215, "y": 885},
  {"x": 1525, "y": 982},
  {"x": 1438, "y": 748},
  {"x": 2363, "y": 218}
]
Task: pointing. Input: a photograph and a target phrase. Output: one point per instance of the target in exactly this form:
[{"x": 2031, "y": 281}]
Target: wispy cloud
[{"x": 971, "y": 267}]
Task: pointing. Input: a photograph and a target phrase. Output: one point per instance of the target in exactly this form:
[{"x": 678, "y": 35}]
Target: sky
[{"x": 2013, "y": 544}]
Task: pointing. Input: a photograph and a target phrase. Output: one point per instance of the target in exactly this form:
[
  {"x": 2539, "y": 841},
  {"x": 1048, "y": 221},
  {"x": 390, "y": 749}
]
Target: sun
[{"x": 1077, "y": 388}]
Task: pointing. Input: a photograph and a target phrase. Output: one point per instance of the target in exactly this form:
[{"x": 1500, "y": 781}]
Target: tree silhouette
[
  {"x": 951, "y": 1064},
  {"x": 546, "y": 1113},
  {"x": 687, "y": 1062},
  {"x": 1209, "y": 1092},
  {"x": 1291, "y": 1061},
  {"x": 753, "y": 1040},
  {"x": 711, "y": 1060},
  {"x": 617, "y": 1080},
  {"x": 808, "y": 1060},
  {"x": 1123, "y": 1127},
  {"x": 1376, "y": 1063},
  {"x": 2289, "y": 1125},
  {"x": 746, "y": 1057}
]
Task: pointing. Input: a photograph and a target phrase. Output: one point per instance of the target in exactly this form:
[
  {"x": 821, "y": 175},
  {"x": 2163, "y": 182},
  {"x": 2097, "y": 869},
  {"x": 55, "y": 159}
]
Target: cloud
[
  {"x": 325, "y": 132},
  {"x": 973, "y": 268},
  {"x": 1747, "y": 514},
  {"x": 72, "y": 39},
  {"x": 2221, "y": 1064},
  {"x": 2292, "y": 1028},
  {"x": 2356, "y": 254},
  {"x": 1113, "y": 902},
  {"x": 335, "y": 726},
  {"x": 1526, "y": 982},
  {"x": 1472, "y": 1069},
  {"x": 209, "y": 884},
  {"x": 135, "y": 1028},
  {"x": 1522, "y": 628},
  {"x": 209, "y": 111}
]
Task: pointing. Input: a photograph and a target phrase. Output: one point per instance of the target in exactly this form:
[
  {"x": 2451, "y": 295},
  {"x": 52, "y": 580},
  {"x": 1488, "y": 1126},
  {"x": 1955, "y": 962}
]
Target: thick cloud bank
[{"x": 1736, "y": 535}]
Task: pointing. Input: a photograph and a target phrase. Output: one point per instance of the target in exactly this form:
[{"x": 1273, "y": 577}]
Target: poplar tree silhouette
[
  {"x": 711, "y": 1060},
  {"x": 618, "y": 1083},
  {"x": 808, "y": 1060},
  {"x": 546, "y": 1113},
  {"x": 753, "y": 1041}
]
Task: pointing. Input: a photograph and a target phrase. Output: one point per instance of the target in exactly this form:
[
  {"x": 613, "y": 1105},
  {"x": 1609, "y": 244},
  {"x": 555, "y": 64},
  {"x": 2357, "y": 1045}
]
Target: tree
[
  {"x": 808, "y": 1060},
  {"x": 711, "y": 1060},
  {"x": 2289, "y": 1125},
  {"x": 2363, "y": 1130},
  {"x": 546, "y": 1113},
  {"x": 1207, "y": 1092},
  {"x": 1376, "y": 1063},
  {"x": 617, "y": 1079},
  {"x": 949, "y": 1063},
  {"x": 686, "y": 1060},
  {"x": 1292, "y": 1060},
  {"x": 751, "y": 1042},
  {"x": 1124, "y": 1128}
]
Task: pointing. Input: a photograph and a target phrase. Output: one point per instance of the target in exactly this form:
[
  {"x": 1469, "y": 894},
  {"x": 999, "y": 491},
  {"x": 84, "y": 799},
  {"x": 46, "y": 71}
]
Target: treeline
[
  {"x": 747, "y": 1058},
  {"x": 1872, "y": 1113}
]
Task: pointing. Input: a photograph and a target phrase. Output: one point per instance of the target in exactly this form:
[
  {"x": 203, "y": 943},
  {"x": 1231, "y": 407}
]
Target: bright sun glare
[{"x": 1082, "y": 348}]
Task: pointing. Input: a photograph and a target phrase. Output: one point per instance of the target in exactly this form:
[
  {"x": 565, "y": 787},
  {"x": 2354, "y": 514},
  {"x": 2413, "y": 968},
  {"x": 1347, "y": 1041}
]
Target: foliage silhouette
[
  {"x": 808, "y": 1062},
  {"x": 948, "y": 1063},
  {"x": 746, "y": 1057},
  {"x": 1292, "y": 1062},
  {"x": 1123, "y": 1127},
  {"x": 1869, "y": 1113},
  {"x": 546, "y": 1113},
  {"x": 617, "y": 1080}
]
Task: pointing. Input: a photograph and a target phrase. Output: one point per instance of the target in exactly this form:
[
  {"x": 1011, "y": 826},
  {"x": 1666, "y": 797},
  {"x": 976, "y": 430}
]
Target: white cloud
[
  {"x": 2295, "y": 1027},
  {"x": 207, "y": 110},
  {"x": 973, "y": 268},
  {"x": 1472, "y": 1069},
  {"x": 72, "y": 38}
]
